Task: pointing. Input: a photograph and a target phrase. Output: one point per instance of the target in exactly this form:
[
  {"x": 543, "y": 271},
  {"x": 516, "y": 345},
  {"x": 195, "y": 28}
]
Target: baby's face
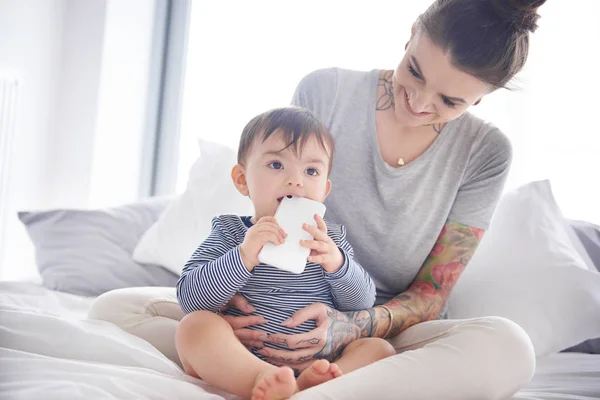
[{"x": 272, "y": 173}]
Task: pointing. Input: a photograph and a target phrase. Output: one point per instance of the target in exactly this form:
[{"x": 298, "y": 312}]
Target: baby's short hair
[{"x": 296, "y": 126}]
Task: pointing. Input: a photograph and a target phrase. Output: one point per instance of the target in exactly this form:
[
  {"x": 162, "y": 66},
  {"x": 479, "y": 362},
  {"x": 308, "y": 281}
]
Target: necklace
[{"x": 437, "y": 130}]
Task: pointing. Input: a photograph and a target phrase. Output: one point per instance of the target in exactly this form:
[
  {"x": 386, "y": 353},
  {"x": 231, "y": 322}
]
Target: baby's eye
[
  {"x": 312, "y": 171},
  {"x": 275, "y": 165}
]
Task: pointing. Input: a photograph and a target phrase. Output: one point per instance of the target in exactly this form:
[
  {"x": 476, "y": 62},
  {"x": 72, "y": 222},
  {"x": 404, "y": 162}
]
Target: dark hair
[
  {"x": 488, "y": 39},
  {"x": 296, "y": 126}
]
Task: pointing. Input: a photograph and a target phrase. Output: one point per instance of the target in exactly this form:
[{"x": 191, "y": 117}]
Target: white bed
[{"x": 49, "y": 350}]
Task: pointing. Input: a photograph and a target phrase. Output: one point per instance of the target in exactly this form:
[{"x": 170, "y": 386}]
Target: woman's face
[{"x": 428, "y": 89}]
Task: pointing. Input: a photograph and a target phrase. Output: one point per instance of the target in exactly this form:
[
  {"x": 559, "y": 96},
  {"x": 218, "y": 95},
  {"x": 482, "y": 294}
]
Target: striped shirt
[{"x": 215, "y": 273}]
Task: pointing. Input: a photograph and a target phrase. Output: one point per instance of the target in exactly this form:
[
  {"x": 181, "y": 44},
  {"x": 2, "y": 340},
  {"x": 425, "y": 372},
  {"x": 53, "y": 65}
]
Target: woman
[{"x": 416, "y": 180}]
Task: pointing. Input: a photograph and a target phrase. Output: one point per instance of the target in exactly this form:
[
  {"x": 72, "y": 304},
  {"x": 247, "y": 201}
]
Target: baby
[{"x": 282, "y": 152}]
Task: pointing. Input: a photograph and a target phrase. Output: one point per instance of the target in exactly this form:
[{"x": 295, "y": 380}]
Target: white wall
[
  {"x": 30, "y": 42},
  {"x": 122, "y": 102},
  {"x": 67, "y": 52},
  {"x": 71, "y": 150}
]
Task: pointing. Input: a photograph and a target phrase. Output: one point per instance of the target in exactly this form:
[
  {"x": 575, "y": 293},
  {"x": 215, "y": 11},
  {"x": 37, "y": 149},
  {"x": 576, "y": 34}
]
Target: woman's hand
[
  {"x": 335, "y": 330},
  {"x": 248, "y": 337}
]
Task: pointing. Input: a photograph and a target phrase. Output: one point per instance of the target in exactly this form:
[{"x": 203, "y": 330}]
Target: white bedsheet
[
  {"x": 49, "y": 350},
  {"x": 572, "y": 376}
]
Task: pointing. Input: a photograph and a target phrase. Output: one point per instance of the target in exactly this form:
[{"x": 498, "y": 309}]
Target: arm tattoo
[
  {"x": 279, "y": 341},
  {"x": 283, "y": 360},
  {"x": 345, "y": 327},
  {"x": 425, "y": 298},
  {"x": 303, "y": 358},
  {"x": 369, "y": 333},
  {"x": 386, "y": 100},
  {"x": 309, "y": 341}
]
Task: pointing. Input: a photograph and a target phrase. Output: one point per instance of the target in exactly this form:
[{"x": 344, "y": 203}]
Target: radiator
[{"x": 9, "y": 101}]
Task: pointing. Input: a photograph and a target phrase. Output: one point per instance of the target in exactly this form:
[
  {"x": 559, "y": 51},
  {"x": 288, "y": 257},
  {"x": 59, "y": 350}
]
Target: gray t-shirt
[{"x": 395, "y": 215}]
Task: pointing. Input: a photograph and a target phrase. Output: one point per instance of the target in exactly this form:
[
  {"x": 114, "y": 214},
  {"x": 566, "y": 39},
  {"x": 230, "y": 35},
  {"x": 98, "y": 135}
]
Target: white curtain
[{"x": 247, "y": 57}]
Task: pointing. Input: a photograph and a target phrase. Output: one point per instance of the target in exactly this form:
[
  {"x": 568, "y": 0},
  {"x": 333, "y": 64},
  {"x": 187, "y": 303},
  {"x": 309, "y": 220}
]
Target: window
[{"x": 244, "y": 62}]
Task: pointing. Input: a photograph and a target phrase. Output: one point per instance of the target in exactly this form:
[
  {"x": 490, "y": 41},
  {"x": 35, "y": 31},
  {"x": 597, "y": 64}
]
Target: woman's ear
[{"x": 238, "y": 176}]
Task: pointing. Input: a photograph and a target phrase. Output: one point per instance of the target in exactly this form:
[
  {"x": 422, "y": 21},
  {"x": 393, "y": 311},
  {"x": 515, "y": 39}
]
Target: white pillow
[
  {"x": 528, "y": 270},
  {"x": 187, "y": 221}
]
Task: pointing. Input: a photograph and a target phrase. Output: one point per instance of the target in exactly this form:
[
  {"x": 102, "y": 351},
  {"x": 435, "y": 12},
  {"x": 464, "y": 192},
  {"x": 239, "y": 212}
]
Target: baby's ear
[
  {"x": 328, "y": 190},
  {"x": 238, "y": 175}
]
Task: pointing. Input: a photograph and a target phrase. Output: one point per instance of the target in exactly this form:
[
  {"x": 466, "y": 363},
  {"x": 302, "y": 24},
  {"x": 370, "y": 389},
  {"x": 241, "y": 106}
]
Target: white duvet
[{"x": 49, "y": 350}]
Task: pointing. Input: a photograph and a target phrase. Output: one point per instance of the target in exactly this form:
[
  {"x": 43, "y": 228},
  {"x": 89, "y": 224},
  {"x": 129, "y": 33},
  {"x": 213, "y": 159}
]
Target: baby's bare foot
[
  {"x": 275, "y": 386},
  {"x": 319, "y": 372}
]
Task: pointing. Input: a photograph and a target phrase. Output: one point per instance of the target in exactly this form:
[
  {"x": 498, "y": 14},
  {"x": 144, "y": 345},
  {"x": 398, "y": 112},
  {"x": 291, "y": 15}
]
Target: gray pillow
[
  {"x": 89, "y": 252},
  {"x": 589, "y": 235}
]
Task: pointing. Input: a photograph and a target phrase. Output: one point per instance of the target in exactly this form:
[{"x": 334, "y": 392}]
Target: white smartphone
[{"x": 292, "y": 213}]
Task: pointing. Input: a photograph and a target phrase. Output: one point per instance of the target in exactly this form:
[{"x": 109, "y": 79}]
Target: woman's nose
[{"x": 420, "y": 102}]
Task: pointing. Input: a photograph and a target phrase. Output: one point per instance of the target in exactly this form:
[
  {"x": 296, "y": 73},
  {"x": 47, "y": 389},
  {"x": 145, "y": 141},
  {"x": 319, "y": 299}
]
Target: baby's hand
[
  {"x": 323, "y": 249},
  {"x": 266, "y": 230}
]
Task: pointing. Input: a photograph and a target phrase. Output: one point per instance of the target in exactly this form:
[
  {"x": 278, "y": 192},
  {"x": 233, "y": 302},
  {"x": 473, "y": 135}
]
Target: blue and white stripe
[{"x": 215, "y": 273}]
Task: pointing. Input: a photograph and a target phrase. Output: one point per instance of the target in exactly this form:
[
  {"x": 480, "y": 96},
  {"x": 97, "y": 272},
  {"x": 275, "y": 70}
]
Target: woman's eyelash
[
  {"x": 413, "y": 72},
  {"x": 448, "y": 102}
]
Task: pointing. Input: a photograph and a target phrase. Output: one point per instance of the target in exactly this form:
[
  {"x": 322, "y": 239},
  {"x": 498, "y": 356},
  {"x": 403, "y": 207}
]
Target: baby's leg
[
  {"x": 209, "y": 349},
  {"x": 363, "y": 352}
]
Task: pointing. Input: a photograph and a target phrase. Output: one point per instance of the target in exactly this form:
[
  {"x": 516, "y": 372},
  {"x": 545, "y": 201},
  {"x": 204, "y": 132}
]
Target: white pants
[{"x": 481, "y": 358}]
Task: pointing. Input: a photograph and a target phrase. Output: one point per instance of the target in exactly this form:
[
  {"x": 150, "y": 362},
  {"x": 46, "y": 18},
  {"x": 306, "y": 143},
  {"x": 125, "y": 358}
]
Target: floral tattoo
[
  {"x": 345, "y": 327},
  {"x": 386, "y": 100},
  {"x": 427, "y": 295}
]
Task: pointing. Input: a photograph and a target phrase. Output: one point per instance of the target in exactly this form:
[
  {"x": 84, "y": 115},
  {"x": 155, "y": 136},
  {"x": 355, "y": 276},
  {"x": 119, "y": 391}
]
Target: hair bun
[{"x": 522, "y": 14}]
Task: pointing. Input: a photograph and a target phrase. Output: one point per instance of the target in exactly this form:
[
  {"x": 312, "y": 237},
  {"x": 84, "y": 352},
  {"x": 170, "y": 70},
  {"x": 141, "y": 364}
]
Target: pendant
[{"x": 401, "y": 161}]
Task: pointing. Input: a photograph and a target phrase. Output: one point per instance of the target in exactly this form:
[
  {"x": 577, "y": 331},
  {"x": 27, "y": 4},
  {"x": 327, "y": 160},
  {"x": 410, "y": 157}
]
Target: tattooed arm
[
  {"x": 425, "y": 298},
  {"x": 423, "y": 301}
]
